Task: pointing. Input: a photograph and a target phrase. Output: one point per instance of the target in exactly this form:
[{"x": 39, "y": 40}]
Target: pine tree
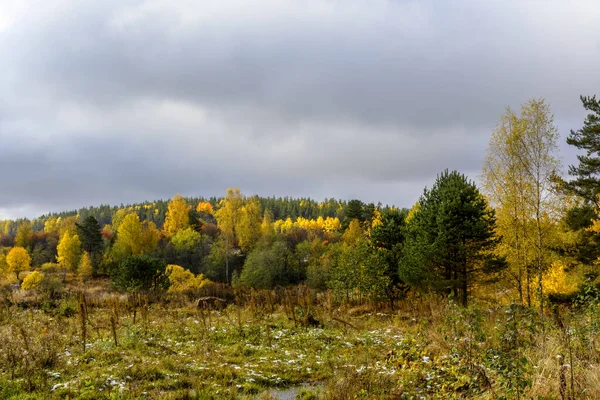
[
  {"x": 450, "y": 237},
  {"x": 587, "y": 174},
  {"x": 354, "y": 210},
  {"x": 89, "y": 233}
]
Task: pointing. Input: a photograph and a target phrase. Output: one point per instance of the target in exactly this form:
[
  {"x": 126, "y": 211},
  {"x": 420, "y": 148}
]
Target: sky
[{"x": 119, "y": 101}]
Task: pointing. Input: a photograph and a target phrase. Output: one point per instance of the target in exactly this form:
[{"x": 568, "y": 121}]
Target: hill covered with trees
[
  {"x": 526, "y": 225},
  {"x": 524, "y": 246}
]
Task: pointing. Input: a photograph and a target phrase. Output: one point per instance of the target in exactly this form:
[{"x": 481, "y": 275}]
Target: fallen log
[{"x": 211, "y": 301}]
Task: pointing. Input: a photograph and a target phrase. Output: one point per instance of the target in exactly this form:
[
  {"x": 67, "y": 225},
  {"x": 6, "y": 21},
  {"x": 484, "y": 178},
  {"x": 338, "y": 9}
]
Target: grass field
[{"x": 303, "y": 346}]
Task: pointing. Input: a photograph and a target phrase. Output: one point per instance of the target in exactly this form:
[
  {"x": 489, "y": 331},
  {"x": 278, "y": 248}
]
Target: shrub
[
  {"x": 50, "y": 267},
  {"x": 32, "y": 281},
  {"x": 265, "y": 267},
  {"x": 50, "y": 286},
  {"x": 85, "y": 268},
  {"x": 183, "y": 281},
  {"x": 141, "y": 274}
]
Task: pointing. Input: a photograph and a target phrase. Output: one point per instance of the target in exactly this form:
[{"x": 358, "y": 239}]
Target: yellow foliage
[
  {"x": 69, "y": 251},
  {"x": 595, "y": 226},
  {"x": 227, "y": 214},
  {"x": 266, "y": 227},
  {"x": 328, "y": 225},
  {"x": 376, "y": 221},
  {"x": 205, "y": 207},
  {"x": 119, "y": 217},
  {"x": 68, "y": 225},
  {"x": 32, "y": 281},
  {"x": 287, "y": 225},
  {"x": 51, "y": 225},
  {"x": 150, "y": 237},
  {"x": 85, "y": 268},
  {"x": 331, "y": 225},
  {"x": 413, "y": 210},
  {"x": 248, "y": 224},
  {"x": 177, "y": 216},
  {"x": 136, "y": 238},
  {"x": 182, "y": 280},
  {"x": 107, "y": 230},
  {"x": 3, "y": 264},
  {"x": 353, "y": 233},
  {"x": 18, "y": 260},
  {"x": 556, "y": 280}
]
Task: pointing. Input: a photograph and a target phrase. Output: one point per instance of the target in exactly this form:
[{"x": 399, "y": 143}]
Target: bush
[
  {"x": 50, "y": 286},
  {"x": 32, "y": 281},
  {"x": 47, "y": 285},
  {"x": 51, "y": 267},
  {"x": 265, "y": 267},
  {"x": 141, "y": 274},
  {"x": 66, "y": 308},
  {"x": 183, "y": 281}
]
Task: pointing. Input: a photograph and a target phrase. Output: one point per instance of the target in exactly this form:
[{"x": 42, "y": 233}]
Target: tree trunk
[{"x": 464, "y": 287}]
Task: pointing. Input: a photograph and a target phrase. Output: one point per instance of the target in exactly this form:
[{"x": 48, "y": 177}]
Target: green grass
[{"x": 424, "y": 349}]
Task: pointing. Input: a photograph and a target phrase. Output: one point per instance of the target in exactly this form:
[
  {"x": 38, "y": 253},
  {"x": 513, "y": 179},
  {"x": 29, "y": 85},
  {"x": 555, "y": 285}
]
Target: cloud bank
[{"x": 126, "y": 101}]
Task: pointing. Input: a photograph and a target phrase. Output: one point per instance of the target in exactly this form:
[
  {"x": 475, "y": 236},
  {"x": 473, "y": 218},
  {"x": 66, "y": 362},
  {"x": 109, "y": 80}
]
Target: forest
[{"x": 485, "y": 290}]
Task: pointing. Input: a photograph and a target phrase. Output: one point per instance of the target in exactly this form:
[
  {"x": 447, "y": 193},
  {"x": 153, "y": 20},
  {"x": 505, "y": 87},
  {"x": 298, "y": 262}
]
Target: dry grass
[{"x": 108, "y": 345}]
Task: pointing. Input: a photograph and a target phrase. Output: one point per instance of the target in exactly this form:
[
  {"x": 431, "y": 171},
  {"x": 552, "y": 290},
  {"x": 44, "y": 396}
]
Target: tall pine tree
[
  {"x": 89, "y": 233},
  {"x": 586, "y": 182},
  {"x": 587, "y": 174},
  {"x": 450, "y": 238}
]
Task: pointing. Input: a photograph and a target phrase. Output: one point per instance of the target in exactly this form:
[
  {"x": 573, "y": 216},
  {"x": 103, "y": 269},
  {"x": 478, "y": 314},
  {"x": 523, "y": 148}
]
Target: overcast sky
[{"x": 121, "y": 101}]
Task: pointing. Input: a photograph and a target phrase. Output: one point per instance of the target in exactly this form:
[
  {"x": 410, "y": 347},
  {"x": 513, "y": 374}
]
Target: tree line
[{"x": 529, "y": 230}]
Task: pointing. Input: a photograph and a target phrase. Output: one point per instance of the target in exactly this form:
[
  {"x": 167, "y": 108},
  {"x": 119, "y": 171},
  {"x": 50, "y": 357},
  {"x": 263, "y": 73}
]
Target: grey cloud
[
  {"x": 125, "y": 101},
  {"x": 457, "y": 67}
]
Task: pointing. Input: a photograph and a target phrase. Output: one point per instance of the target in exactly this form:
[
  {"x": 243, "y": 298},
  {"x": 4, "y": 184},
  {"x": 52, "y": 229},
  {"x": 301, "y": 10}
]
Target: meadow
[{"x": 92, "y": 343}]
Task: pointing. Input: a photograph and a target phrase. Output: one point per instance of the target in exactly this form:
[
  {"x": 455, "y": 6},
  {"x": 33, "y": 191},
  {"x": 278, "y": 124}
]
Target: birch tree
[
  {"x": 517, "y": 175},
  {"x": 506, "y": 186}
]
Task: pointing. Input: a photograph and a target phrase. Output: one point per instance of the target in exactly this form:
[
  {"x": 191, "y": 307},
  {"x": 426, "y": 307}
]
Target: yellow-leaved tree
[
  {"x": 204, "y": 207},
  {"x": 177, "y": 217},
  {"x": 18, "y": 259},
  {"x": 353, "y": 233},
  {"x": 248, "y": 224},
  {"x": 119, "y": 216},
  {"x": 376, "y": 220},
  {"x": 267, "y": 230},
  {"x": 556, "y": 280},
  {"x": 332, "y": 224},
  {"x": 135, "y": 238},
  {"x": 227, "y": 217},
  {"x": 24, "y": 235},
  {"x": 33, "y": 281},
  {"x": 51, "y": 225},
  {"x": 85, "y": 268},
  {"x": 69, "y": 251},
  {"x": 517, "y": 177},
  {"x": 183, "y": 281},
  {"x": 68, "y": 224}
]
